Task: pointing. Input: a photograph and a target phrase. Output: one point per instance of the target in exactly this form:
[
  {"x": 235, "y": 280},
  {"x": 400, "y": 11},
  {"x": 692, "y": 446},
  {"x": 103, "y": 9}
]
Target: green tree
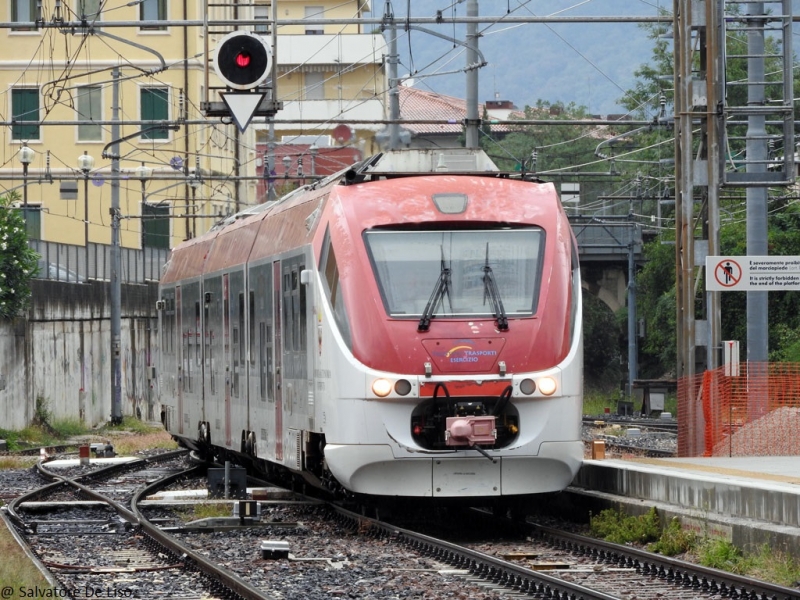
[
  {"x": 655, "y": 302},
  {"x": 651, "y": 98},
  {"x": 601, "y": 345},
  {"x": 18, "y": 262}
]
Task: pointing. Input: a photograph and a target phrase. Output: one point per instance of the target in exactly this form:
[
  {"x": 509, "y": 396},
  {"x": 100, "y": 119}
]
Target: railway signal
[{"x": 243, "y": 61}]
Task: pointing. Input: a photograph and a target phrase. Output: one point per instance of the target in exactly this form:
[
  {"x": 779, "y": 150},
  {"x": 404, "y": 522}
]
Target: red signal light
[{"x": 243, "y": 60}]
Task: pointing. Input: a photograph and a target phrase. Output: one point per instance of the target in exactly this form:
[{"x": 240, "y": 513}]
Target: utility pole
[
  {"x": 390, "y": 32},
  {"x": 473, "y": 118},
  {"x": 116, "y": 263},
  {"x": 757, "y": 307}
]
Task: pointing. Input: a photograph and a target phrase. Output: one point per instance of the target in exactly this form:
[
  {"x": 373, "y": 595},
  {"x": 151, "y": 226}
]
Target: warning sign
[{"x": 752, "y": 273}]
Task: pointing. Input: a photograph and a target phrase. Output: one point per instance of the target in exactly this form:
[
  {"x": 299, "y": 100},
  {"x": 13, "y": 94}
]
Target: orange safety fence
[{"x": 754, "y": 413}]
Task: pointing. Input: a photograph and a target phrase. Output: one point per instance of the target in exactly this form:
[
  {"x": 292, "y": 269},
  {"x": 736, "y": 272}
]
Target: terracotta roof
[{"x": 416, "y": 104}]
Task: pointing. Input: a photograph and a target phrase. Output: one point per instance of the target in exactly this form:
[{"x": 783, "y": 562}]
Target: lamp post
[
  {"x": 194, "y": 183},
  {"x": 26, "y": 155},
  {"x": 313, "y": 150},
  {"x": 143, "y": 173},
  {"x": 85, "y": 164}
]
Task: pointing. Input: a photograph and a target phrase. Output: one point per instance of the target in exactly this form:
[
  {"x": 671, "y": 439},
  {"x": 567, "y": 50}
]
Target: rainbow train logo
[{"x": 464, "y": 354}]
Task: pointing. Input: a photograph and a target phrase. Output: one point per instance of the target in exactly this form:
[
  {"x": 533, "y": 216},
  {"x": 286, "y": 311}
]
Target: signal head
[{"x": 243, "y": 60}]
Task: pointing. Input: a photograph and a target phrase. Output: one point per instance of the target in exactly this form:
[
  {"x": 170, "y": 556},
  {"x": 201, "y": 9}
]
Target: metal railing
[{"x": 66, "y": 262}]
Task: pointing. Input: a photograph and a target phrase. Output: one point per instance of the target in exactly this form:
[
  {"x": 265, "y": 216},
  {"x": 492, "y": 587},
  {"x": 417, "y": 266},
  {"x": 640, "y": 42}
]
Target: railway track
[
  {"x": 653, "y": 437},
  {"x": 87, "y": 531},
  {"x": 606, "y": 569},
  {"x": 303, "y": 549}
]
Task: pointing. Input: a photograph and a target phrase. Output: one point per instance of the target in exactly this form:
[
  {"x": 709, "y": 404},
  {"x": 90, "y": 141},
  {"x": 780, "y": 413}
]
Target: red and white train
[{"x": 410, "y": 327}]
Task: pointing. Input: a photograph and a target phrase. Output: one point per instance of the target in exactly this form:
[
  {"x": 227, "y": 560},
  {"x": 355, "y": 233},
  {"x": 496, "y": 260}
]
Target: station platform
[{"x": 748, "y": 500}]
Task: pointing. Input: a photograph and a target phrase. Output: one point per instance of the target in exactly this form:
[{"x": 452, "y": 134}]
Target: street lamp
[
  {"x": 26, "y": 155},
  {"x": 85, "y": 164}
]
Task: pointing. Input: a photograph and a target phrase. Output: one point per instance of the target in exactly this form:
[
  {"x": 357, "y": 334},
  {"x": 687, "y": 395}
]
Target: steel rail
[
  {"x": 229, "y": 579},
  {"x": 678, "y": 571},
  {"x": 499, "y": 571},
  {"x": 60, "y": 480}
]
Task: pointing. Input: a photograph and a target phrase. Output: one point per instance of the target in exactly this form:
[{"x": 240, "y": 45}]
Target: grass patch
[
  {"x": 16, "y": 569},
  {"x": 207, "y": 510},
  {"x": 127, "y": 444},
  {"x": 31, "y": 436},
  {"x": 131, "y": 425},
  {"x": 614, "y": 526},
  {"x": 776, "y": 566},
  {"x": 674, "y": 540},
  {"x": 595, "y": 402},
  {"x": 17, "y": 462},
  {"x": 764, "y": 563},
  {"x": 130, "y": 437},
  {"x": 722, "y": 554}
]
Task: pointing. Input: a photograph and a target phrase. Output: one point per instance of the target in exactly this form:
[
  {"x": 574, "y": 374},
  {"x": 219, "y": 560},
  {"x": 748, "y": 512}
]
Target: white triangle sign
[{"x": 242, "y": 106}]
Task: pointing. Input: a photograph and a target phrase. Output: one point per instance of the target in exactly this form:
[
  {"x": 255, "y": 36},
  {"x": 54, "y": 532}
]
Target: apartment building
[{"x": 103, "y": 103}]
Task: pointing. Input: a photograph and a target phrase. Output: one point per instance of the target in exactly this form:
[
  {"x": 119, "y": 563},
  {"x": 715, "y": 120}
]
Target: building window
[
  {"x": 261, "y": 13},
  {"x": 33, "y": 221},
  {"x": 155, "y": 107},
  {"x": 88, "y": 9},
  {"x": 155, "y": 226},
  {"x": 25, "y": 107},
  {"x": 314, "y": 86},
  {"x": 89, "y": 108},
  {"x": 23, "y": 11},
  {"x": 153, "y": 10},
  {"x": 314, "y": 12}
]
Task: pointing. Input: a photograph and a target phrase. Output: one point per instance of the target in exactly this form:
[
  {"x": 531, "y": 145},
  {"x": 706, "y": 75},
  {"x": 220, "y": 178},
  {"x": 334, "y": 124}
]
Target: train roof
[
  {"x": 405, "y": 162},
  {"x": 238, "y": 233}
]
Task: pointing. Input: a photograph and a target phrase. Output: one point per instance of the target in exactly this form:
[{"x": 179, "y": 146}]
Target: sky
[{"x": 591, "y": 64}]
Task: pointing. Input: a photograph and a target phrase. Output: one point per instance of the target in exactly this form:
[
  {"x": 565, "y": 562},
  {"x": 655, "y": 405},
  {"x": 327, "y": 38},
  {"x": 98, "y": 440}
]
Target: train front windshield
[{"x": 457, "y": 273}]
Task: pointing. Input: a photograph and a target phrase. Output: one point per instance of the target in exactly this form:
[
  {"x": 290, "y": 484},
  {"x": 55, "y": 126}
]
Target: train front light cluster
[
  {"x": 546, "y": 385},
  {"x": 383, "y": 387}
]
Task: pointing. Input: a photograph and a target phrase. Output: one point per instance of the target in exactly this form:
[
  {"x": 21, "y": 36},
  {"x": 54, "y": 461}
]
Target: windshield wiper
[
  {"x": 490, "y": 290},
  {"x": 441, "y": 289}
]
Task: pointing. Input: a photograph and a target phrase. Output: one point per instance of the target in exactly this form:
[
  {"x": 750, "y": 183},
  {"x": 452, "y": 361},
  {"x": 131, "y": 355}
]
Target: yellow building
[{"x": 80, "y": 78}]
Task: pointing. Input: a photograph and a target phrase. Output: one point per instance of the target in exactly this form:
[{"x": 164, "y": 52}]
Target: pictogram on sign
[{"x": 728, "y": 273}]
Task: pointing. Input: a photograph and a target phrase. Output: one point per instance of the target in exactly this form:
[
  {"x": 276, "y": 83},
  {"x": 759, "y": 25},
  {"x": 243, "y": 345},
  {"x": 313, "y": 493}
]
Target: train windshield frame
[{"x": 449, "y": 268}]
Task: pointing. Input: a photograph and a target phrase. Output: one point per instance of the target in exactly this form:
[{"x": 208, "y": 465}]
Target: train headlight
[
  {"x": 527, "y": 386},
  {"x": 547, "y": 385},
  {"x": 381, "y": 387},
  {"x": 402, "y": 387}
]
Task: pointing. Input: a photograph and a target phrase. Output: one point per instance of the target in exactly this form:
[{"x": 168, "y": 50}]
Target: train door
[
  {"x": 261, "y": 372},
  {"x": 213, "y": 360},
  {"x": 226, "y": 332},
  {"x": 179, "y": 359},
  {"x": 278, "y": 347}
]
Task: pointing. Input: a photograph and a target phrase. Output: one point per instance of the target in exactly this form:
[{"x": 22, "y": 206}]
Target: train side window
[
  {"x": 301, "y": 317},
  {"x": 197, "y": 336},
  {"x": 209, "y": 349},
  {"x": 241, "y": 327},
  {"x": 287, "y": 312},
  {"x": 252, "y": 326},
  {"x": 333, "y": 291},
  {"x": 262, "y": 361}
]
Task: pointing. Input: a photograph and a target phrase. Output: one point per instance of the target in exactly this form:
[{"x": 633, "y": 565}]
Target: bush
[
  {"x": 616, "y": 527},
  {"x": 18, "y": 262}
]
